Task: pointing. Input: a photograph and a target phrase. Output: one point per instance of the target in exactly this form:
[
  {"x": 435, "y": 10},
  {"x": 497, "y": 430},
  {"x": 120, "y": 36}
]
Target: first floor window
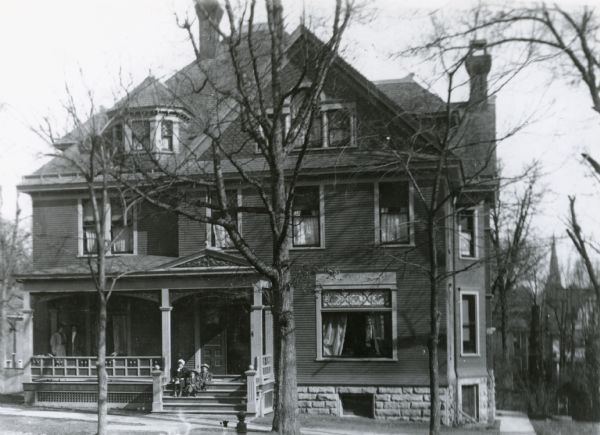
[
  {"x": 394, "y": 213},
  {"x": 306, "y": 227},
  {"x": 466, "y": 228},
  {"x": 468, "y": 314},
  {"x": 219, "y": 237},
  {"x": 356, "y": 324}
]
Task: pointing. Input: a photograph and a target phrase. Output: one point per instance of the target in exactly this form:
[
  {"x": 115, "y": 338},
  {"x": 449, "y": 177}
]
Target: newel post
[
  {"x": 251, "y": 390},
  {"x": 157, "y": 391}
]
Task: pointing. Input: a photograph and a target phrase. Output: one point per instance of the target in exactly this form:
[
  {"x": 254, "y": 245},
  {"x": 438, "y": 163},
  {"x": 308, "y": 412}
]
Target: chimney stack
[
  {"x": 478, "y": 64},
  {"x": 209, "y": 14}
]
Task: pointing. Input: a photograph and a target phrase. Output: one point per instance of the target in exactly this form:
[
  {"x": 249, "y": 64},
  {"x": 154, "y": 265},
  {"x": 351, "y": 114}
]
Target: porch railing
[
  {"x": 267, "y": 368},
  {"x": 85, "y": 366}
]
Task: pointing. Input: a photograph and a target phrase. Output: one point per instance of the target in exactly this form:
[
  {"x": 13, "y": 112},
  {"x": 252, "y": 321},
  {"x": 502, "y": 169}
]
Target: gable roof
[
  {"x": 149, "y": 93},
  {"x": 206, "y": 259}
]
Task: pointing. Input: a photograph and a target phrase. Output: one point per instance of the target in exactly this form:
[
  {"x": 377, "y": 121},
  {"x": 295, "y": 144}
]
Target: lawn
[{"x": 565, "y": 427}]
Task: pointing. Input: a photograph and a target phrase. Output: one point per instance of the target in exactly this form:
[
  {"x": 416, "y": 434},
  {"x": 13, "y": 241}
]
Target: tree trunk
[
  {"x": 286, "y": 397},
  {"x": 503, "y": 323},
  {"x": 101, "y": 366},
  {"x": 434, "y": 318}
]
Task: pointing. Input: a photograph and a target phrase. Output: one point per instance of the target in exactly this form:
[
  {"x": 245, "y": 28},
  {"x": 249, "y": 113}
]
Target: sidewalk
[{"x": 514, "y": 422}]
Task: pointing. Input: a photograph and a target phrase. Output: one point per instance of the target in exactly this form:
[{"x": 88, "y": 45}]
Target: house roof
[
  {"x": 150, "y": 93},
  {"x": 410, "y": 95}
]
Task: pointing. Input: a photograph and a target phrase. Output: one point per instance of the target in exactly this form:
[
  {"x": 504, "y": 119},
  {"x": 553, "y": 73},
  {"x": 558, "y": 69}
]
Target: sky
[{"x": 108, "y": 45}]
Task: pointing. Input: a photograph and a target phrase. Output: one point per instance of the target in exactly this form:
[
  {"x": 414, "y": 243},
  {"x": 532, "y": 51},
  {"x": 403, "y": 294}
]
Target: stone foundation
[{"x": 401, "y": 403}]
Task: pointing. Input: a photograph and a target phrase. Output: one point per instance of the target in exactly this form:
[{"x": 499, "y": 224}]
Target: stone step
[
  {"x": 204, "y": 408},
  {"x": 200, "y": 400}
]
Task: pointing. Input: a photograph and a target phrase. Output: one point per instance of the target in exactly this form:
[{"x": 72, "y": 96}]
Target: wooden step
[
  {"x": 201, "y": 400},
  {"x": 209, "y": 408}
]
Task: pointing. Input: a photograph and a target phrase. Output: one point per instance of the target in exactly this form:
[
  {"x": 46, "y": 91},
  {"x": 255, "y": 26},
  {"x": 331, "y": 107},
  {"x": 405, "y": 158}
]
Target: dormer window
[
  {"x": 140, "y": 135},
  {"x": 166, "y": 137}
]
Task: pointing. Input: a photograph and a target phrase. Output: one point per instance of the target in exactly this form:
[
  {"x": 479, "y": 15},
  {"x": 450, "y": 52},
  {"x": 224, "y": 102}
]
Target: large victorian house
[{"x": 359, "y": 248}]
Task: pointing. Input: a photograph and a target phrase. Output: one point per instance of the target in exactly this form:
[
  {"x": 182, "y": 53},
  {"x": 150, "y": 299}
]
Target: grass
[{"x": 565, "y": 427}]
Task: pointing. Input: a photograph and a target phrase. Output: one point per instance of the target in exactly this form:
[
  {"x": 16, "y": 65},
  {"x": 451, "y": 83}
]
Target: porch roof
[{"x": 204, "y": 262}]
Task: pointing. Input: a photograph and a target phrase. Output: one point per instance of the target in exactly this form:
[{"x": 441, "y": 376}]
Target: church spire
[{"x": 554, "y": 280}]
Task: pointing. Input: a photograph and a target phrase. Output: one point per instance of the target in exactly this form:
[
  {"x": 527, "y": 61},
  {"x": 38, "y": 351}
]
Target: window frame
[
  {"x": 475, "y": 234},
  {"x": 377, "y": 215},
  {"x": 108, "y": 236},
  {"x": 239, "y": 202},
  {"x": 356, "y": 281},
  {"x": 327, "y": 107},
  {"x": 477, "y": 352},
  {"x": 151, "y": 121},
  {"x": 321, "y": 245}
]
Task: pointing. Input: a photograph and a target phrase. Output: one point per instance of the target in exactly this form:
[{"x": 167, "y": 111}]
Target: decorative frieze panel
[{"x": 356, "y": 299}]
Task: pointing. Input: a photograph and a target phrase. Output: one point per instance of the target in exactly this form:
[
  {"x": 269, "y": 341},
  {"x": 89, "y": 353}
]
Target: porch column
[
  {"x": 27, "y": 345},
  {"x": 268, "y": 331},
  {"x": 256, "y": 339},
  {"x": 165, "y": 308}
]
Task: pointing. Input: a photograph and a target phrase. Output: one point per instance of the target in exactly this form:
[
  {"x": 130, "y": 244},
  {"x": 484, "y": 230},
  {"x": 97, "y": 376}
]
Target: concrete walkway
[{"x": 514, "y": 422}]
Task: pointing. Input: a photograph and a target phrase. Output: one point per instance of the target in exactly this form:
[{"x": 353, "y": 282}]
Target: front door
[{"x": 214, "y": 351}]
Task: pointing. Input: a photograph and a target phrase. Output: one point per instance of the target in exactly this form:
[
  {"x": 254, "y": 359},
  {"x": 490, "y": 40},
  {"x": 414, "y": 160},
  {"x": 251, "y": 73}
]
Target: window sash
[
  {"x": 306, "y": 217},
  {"x": 121, "y": 232},
  {"x": 394, "y": 213},
  {"x": 140, "y": 135},
  {"x": 219, "y": 237},
  {"x": 466, "y": 228},
  {"x": 166, "y": 142},
  {"x": 339, "y": 127},
  {"x": 469, "y": 323}
]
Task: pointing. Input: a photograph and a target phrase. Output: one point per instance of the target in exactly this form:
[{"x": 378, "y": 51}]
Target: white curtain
[
  {"x": 394, "y": 228},
  {"x": 122, "y": 238},
  {"x": 465, "y": 243},
  {"x": 306, "y": 230},
  {"x": 221, "y": 238},
  {"x": 90, "y": 241},
  {"x": 334, "y": 333}
]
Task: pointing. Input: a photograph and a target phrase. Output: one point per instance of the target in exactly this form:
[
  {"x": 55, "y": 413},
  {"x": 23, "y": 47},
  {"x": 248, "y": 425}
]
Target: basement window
[{"x": 358, "y": 405}]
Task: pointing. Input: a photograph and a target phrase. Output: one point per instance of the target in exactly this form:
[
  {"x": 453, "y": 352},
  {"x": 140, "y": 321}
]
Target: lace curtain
[
  {"x": 221, "y": 238},
  {"x": 334, "y": 333},
  {"x": 306, "y": 229},
  {"x": 394, "y": 227}
]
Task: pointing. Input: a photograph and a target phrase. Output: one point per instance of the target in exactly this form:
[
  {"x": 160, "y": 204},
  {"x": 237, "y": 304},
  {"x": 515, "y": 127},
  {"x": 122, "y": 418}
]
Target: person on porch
[
  {"x": 202, "y": 379},
  {"x": 58, "y": 341},
  {"x": 181, "y": 376}
]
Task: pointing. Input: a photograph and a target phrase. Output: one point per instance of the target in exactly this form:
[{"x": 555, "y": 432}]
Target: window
[
  {"x": 117, "y": 136},
  {"x": 121, "y": 231},
  {"x": 468, "y": 315},
  {"x": 218, "y": 236},
  {"x": 306, "y": 217},
  {"x": 467, "y": 234},
  {"x": 470, "y": 400},
  {"x": 393, "y": 213},
  {"x": 140, "y": 132},
  {"x": 339, "y": 127},
  {"x": 356, "y": 323},
  {"x": 166, "y": 138}
]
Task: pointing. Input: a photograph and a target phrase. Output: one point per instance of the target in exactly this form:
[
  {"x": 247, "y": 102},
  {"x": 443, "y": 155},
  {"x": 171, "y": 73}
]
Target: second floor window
[
  {"x": 466, "y": 229},
  {"x": 219, "y": 237},
  {"x": 118, "y": 136},
  {"x": 394, "y": 213},
  {"x": 306, "y": 219},
  {"x": 120, "y": 228},
  {"x": 140, "y": 135}
]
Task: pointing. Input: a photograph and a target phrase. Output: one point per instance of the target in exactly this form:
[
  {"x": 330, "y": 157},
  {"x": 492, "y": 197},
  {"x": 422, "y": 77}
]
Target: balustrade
[{"x": 85, "y": 366}]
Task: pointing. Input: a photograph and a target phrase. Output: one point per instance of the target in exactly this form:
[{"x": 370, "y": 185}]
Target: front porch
[{"x": 211, "y": 315}]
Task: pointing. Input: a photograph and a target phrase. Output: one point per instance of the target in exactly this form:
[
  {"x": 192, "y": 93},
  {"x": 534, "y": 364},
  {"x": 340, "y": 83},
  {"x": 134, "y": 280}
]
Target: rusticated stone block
[
  {"x": 318, "y": 404},
  {"x": 419, "y": 405},
  {"x": 357, "y": 390},
  {"x": 391, "y": 405},
  {"x": 388, "y": 413},
  {"x": 305, "y": 404},
  {"x": 410, "y": 412},
  {"x": 421, "y": 390},
  {"x": 414, "y": 397},
  {"x": 389, "y": 390},
  {"x": 302, "y": 389},
  {"x": 321, "y": 390},
  {"x": 331, "y": 404},
  {"x": 382, "y": 397},
  {"x": 427, "y": 397},
  {"x": 319, "y": 411},
  {"x": 407, "y": 390},
  {"x": 396, "y": 397},
  {"x": 379, "y": 405},
  {"x": 326, "y": 396},
  {"x": 306, "y": 396}
]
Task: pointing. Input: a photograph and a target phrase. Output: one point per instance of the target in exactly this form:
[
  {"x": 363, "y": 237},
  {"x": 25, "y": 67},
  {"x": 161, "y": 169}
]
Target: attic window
[
  {"x": 140, "y": 135},
  {"x": 166, "y": 138},
  {"x": 339, "y": 127}
]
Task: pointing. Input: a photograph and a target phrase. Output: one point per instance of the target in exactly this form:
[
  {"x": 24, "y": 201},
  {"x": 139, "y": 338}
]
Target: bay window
[
  {"x": 140, "y": 135},
  {"x": 306, "y": 217},
  {"x": 356, "y": 323},
  {"x": 393, "y": 208},
  {"x": 467, "y": 233},
  {"x": 468, "y": 316}
]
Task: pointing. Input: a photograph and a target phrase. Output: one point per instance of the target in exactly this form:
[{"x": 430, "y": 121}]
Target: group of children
[{"x": 188, "y": 382}]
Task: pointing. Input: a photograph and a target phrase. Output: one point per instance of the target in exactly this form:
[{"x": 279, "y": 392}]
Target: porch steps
[{"x": 226, "y": 395}]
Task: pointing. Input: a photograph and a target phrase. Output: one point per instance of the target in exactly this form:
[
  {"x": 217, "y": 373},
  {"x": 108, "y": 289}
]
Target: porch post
[
  {"x": 256, "y": 328},
  {"x": 27, "y": 346},
  {"x": 268, "y": 331},
  {"x": 165, "y": 308}
]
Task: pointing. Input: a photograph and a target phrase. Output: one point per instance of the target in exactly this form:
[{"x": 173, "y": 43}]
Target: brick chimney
[
  {"x": 209, "y": 14},
  {"x": 478, "y": 64}
]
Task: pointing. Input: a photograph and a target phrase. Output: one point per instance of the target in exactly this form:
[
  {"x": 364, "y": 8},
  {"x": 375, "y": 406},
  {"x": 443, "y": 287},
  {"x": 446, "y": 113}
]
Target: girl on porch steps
[{"x": 181, "y": 377}]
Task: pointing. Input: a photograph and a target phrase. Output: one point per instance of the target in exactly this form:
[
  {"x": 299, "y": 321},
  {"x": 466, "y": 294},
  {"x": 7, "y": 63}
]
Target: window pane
[
  {"x": 219, "y": 238},
  {"x": 394, "y": 213},
  {"x": 466, "y": 224},
  {"x": 469, "y": 323},
  {"x": 339, "y": 128},
  {"x": 118, "y": 135},
  {"x": 357, "y": 334},
  {"x": 305, "y": 216},
  {"x": 166, "y": 135},
  {"x": 121, "y": 228}
]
